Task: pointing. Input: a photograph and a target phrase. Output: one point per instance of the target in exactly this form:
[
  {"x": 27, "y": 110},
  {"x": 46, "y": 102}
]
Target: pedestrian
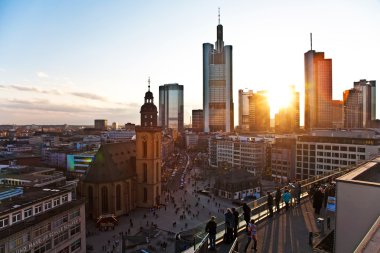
[
  {"x": 229, "y": 225},
  {"x": 270, "y": 204},
  {"x": 286, "y": 197},
  {"x": 278, "y": 199},
  {"x": 246, "y": 213},
  {"x": 252, "y": 235},
  {"x": 298, "y": 192},
  {"x": 211, "y": 230},
  {"x": 236, "y": 222},
  {"x": 317, "y": 201}
]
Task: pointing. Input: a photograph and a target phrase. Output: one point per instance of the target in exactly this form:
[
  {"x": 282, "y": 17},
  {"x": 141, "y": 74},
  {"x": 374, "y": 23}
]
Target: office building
[
  {"x": 79, "y": 163},
  {"x": 283, "y": 159},
  {"x": 337, "y": 114},
  {"x": 318, "y": 90},
  {"x": 197, "y": 122},
  {"x": 171, "y": 106},
  {"x": 218, "y": 106},
  {"x": 100, "y": 124},
  {"x": 41, "y": 220},
  {"x": 244, "y": 109},
  {"x": 327, "y": 150},
  {"x": 360, "y": 104},
  {"x": 259, "y": 112}
]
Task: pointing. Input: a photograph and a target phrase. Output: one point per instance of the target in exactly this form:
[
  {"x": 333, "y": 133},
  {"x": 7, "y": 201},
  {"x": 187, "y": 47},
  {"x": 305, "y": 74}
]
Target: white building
[
  {"x": 191, "y": 140},
  {"x": 241, "y": 152},
  {"x": 117, "y": 136},
  {"x": 327, "y": 150}
]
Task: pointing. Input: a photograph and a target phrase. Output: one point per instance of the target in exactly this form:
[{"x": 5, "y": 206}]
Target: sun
[{"x": 279, "y": 97}]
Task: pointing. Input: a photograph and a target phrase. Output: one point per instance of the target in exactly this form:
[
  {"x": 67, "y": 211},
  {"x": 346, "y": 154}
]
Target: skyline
[{"x": 66, "y": 62}]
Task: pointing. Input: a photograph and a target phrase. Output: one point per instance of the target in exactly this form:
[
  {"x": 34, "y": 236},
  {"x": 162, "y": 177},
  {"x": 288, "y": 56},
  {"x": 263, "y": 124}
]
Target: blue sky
[{"x": 74, "y": 61}]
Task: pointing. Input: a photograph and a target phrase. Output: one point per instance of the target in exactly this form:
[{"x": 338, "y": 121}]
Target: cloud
[
  {"x": 35, "y": 89},
  {"x": 88, "y": 96},
  {"x": 42, "y": 74}
]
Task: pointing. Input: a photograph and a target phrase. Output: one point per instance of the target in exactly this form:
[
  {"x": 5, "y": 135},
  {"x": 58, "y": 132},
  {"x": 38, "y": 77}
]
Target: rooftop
[{"x": 368, "y": 173}]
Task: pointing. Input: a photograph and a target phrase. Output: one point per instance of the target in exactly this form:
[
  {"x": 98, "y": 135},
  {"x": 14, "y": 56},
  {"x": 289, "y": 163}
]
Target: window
[
  {"x": 4, "y": 221},
  {"x": 361, "y": 150},
  {"x": 47, "y": 205},
  {"x": 118, "y": 197},
  {"x": 27, "y": 213},
  {"x": 61, "y": 238},
  {"x": 343, "y": 148},
  {"x": 65, "y": 198},
  {"x": 37, "y": 209},
  {"x": 145, "y": 148},
  {"x": 145, "y": 178},
  {"x": 75, "y": 230},
  {"x": 42, "y": 229},
  {"x": 104, "y": 194},
  {"x": 43, "y": 248},
  {"x": 65, "y": 250},
  {"x": 75, "y": 245},
  {"x": 145, "y": 195},
  {"x": 56, "y": 202},
  {"x": 16, "y": 217},
  {"x": 18, "y": 241},
  {"x": 352, "y": 149},
  {"x": 74, "y": 214},
  {"x": 63, "y": 219}
]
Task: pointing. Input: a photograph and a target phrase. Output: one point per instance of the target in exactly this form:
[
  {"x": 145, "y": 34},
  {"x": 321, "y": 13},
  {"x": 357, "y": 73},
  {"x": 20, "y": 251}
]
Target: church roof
[
  {"x": 148, "y": 107},
  {"x": 113, "y": 162}
]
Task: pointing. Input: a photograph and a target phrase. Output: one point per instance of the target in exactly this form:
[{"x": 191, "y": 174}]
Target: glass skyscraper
[
  {"x": 171, "y": 106},
  {"x": 218, "y": 107}
]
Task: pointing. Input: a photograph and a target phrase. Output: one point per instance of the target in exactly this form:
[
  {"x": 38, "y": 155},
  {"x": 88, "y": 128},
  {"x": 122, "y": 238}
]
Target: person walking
[
  {"x": 211, "y": 230},
  {"x": 229, "y": 224},
  {"x": 252, "y": 235},
  {"x": 278, "y": 199},
  {"x": 236, "y": 222},
  {"x": 270, "y": 204},
  {"x": 246, "y": 213},
  {"x": 286, "y": 197}
]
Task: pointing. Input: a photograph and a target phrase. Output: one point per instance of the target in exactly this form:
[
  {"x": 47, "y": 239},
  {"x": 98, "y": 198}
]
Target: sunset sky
[{"x": 73, "y": 61}]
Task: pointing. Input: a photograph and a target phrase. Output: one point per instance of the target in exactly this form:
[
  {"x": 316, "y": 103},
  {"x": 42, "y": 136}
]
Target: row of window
[{"x": 329, "y": 147}]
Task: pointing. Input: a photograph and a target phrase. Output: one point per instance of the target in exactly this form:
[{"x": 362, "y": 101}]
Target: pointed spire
[
  {"x": 149, "y": 84},
  {"x": 218, "y": 15},
  {"x": 311, "y": 41}
]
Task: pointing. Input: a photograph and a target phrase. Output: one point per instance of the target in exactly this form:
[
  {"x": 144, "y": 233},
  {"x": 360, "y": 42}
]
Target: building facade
[
  {"x": 337, "y": 114},
  {"x": 218, "y": 106},
  {"x": 326, "y": 150},
  {"x": 197, "y": 121},
  {"x": 318, "y": 90},
  {"x": 171, "y": 106},
  {"x": 259, "y": 112},
  {"x": 42, "y": 220},
  {"x": 360, "y": 105},
  {"x": 283, "y": 159},
  {"x": 244, "y": 109},
  {"x": 287, "y": 120},
  {"x": 100, "y": 124}
]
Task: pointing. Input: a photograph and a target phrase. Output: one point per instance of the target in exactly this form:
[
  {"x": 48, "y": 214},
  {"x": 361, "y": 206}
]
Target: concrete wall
[{"x": 358, "y": 207}]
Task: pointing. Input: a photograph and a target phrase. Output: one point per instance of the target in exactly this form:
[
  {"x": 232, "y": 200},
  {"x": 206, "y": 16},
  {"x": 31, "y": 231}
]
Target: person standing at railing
[
  {"x": 297, "y": 192},
  {"x": 252, "y": 235},
  {"x": 270, "y": 204},
  {"x": 229, "y": 224},
  {"x": 211, "y": 230},
  {"x": 278, "y": 199},
  {"x": 246, "y": 213},
  {"x": 236, "y": 222},
  {"x": 318, "y": 200},
  {"x": 287, "y": 196}
]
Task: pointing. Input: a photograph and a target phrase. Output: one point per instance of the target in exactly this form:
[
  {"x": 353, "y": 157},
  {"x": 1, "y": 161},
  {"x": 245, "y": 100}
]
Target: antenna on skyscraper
[
  {"x": 311, "y": 41},
  {"x": 218, "y": 15}
]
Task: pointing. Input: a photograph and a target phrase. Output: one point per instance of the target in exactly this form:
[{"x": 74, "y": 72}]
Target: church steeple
[{"x": 148, "y": 110}]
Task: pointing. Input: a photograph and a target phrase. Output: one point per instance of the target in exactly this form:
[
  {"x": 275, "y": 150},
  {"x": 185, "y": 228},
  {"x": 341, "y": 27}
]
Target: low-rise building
[{"x": 283, "y": 156}]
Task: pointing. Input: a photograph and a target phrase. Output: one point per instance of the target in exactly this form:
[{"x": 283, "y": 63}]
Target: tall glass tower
[
  {"x": 218, "y": 106},
  {"x": 171, "y": 106}
]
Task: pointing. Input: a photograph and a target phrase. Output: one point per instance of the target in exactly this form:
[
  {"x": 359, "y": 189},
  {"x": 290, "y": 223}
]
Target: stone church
[{"x": 126, "y": 175}]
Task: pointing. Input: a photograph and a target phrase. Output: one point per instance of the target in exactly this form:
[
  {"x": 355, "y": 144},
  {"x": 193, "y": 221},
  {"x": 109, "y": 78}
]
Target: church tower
[{"x": 148, "y": 154}]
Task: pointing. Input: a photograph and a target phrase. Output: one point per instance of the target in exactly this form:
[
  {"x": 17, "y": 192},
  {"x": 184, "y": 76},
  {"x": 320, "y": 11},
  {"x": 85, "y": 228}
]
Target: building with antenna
[
  {"x": 318, "y": 89},
  {"x": 218, "y": 106}
]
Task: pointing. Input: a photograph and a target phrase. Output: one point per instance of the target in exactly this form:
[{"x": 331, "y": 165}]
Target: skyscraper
[
  {"x": 287, "y": 120},
  {"x": 259, "y": 112},
  {"x": 171, "y": 106},
  {"x": 197, "y": 121},
  {"x": 218, "y": 107},
  {"x": 360, "y": 104},
  {"x": 244, "y": 109},
  {"x": 318, "y": 90}
]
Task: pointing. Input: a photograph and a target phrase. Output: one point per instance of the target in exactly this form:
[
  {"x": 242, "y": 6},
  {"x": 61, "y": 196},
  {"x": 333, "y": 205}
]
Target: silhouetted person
[
  {"x": 270, "y": 204},
  {"x": 278, "y": 199},
  {"x": 317, "y": 201},
  {"x": 229, "y": 224},
  {"x": 211, "y": 230},
  {"x": 246, "y": 213},
  {"x": 236, "y": 221}
]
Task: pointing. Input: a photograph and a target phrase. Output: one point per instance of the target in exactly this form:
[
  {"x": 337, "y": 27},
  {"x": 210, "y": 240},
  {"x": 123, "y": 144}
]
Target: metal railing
[{"x": 259, "y": 208}]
